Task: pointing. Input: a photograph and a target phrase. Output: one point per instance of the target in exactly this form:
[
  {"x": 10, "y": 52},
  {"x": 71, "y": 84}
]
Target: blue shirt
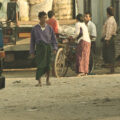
[{"x": 47, "y": 35}]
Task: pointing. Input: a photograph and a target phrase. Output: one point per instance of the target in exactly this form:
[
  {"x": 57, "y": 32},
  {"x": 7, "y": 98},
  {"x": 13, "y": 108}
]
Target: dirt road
[{"x": 71, "y": 98}]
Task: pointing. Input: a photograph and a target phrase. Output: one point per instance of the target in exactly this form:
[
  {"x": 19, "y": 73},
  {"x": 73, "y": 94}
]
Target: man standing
[
  {"x": 91, "y": 30},
  {"x": 109, "y": 33},
  {"x": 42, "y": 36}
]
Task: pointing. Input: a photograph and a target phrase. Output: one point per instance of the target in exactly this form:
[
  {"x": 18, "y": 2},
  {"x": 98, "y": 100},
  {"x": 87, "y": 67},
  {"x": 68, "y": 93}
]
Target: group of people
[
  {"x": 43, "y": 40},
  {"x": 85, "y": 32}
]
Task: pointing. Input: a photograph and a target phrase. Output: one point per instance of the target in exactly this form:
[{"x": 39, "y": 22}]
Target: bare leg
[
  {"x": 53, "y": 70},
  {"x": 47, "y": 78},
  {"x": 39, "y": 83},
  {"x": 81, "y": 74}
]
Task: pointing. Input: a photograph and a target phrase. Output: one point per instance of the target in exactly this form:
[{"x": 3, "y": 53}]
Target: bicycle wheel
[{"x": 60, "y": 65}]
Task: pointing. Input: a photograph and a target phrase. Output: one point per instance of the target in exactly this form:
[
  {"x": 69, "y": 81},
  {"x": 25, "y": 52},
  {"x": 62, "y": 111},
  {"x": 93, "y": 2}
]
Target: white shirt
[
  {"x": 92, "y": 30},
  {"x": 43, "y": 28},
  {"x": 84, "y": 28}
]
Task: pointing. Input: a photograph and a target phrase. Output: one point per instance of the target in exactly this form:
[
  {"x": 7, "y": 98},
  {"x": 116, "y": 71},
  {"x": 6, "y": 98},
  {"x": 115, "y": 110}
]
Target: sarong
[
  {"x": 82, "y": 56},
  {"x": 109, "y": 51},
  {"x": 43, "y": 59}
]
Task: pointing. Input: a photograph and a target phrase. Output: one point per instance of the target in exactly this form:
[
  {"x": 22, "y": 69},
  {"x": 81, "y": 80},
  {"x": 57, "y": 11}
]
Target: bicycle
[{"x": 66, "y": 57}]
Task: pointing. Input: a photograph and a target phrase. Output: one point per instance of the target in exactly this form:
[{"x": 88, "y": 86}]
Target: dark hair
[
  {"x": 80, "y": 17},
  {"x": 51, "y": 14},
  {"x": 41, "y": 14},
  {"x": 88, "y": 13},
  {"x": 110, "y": 11}
]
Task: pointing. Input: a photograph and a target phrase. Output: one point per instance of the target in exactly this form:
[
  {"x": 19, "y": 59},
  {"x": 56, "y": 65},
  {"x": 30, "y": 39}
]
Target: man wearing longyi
[{"x": 43, "y": 38}]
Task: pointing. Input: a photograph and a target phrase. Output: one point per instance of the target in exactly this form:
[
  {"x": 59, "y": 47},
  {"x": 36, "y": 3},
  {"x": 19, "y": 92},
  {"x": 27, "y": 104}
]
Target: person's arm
[
  {"x": 77, "y": 31},
  {"x": 80, "y": 34},
  {"x": 32, "y": 43}
]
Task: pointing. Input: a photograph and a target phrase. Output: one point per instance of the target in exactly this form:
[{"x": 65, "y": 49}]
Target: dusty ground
[{"x": 70, "y": 98}]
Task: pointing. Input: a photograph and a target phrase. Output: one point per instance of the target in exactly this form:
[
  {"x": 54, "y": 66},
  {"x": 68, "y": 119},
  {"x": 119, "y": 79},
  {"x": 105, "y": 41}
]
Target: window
[{"x": 87, "y": 6}]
